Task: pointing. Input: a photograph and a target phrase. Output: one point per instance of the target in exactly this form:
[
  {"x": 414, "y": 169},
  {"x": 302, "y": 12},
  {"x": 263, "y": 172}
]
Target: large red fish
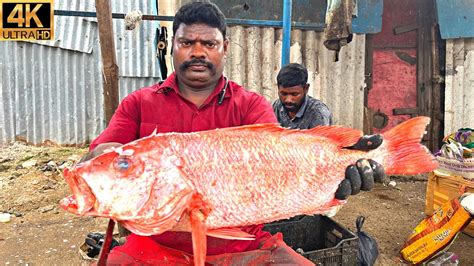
[{"x": 211, "y": 180}]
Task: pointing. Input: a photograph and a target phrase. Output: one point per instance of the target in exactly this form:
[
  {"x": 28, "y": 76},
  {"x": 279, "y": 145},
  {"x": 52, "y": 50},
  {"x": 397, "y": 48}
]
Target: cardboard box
[{"x": 442, "y": 187}]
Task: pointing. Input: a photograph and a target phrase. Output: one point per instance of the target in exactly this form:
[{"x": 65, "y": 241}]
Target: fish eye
[{"x": 123, "y": 163}]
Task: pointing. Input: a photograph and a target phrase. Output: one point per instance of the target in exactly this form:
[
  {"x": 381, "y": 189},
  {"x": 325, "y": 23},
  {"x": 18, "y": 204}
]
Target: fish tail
[{"x": 402, "y": 151}]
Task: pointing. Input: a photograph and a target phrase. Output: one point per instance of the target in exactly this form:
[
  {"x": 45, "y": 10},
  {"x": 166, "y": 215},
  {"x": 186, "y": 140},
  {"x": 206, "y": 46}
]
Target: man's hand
[
  {"x": 364, "y": 173},
  {"x": 101, "y": 148}
]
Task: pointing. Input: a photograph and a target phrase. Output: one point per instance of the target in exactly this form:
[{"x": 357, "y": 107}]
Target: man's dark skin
[
  {"x": 207, "y": 49},
  {"x": 292, "y": 97}
]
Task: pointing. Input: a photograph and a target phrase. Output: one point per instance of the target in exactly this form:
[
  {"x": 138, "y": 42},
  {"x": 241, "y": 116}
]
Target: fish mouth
[{"x": 82, "y": 199}]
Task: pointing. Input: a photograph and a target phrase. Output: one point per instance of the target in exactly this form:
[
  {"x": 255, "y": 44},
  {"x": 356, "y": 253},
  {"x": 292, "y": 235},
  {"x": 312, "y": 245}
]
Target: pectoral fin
[
  {"x": 198, "y": 212},
  {"x": 230, "y": 233}
]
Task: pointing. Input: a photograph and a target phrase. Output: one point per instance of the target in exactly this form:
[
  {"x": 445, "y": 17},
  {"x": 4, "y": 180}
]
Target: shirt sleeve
[
  {"x": 320, "y": 116},
  {"x": 124, "y": 125},
  {"x": 259, "y": 111}
]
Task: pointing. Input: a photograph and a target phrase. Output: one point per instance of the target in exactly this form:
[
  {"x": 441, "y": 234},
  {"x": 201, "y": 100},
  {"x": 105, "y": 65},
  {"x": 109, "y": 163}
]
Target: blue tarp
[
  {"x": 455, "y": 18},
  {"x": 369, "y": 17}
]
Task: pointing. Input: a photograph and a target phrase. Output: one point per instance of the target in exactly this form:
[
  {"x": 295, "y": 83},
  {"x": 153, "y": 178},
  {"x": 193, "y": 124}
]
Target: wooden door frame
[{"x": 429, "y": 82}]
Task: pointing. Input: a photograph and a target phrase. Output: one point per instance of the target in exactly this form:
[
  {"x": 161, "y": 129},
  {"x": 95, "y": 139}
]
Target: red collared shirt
[{"x": 162, "y": 107}]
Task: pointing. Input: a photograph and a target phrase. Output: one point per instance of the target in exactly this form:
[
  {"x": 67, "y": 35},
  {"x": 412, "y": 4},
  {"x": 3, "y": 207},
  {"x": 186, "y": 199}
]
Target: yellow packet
[{"x": 435, "y": 233}]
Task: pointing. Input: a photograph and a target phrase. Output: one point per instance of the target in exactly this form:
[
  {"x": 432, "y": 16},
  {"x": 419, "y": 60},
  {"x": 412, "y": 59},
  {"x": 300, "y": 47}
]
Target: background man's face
[
  {"x": 199, "y": 54},
  {"x": 292, "y": 97}
]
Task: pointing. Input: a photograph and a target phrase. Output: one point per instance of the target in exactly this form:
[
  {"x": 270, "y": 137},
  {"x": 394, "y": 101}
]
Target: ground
[{"x": 40, "y": 232}]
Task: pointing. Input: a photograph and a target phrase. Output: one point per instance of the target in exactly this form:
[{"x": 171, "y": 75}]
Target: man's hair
[
  {"x": 292, "y": 75},
  {"x": 200, "y": 12}
]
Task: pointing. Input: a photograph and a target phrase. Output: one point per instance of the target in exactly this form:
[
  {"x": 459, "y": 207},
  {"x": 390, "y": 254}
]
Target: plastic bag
[
  {"x": 368, "y": 248},
  {"x": 445, "y": 259}
]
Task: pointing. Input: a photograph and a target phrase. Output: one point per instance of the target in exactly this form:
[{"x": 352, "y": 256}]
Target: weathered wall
[
  {"x": 394, "y": 64},
  {"x": 254, "y": 61},
  {"x": 394, "y": 85},
  {"x": 459, "y": 94}
]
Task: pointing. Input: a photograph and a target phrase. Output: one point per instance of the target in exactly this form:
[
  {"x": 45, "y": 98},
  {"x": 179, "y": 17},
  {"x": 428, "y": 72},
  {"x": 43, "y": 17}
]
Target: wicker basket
[{"x": 463, "y": 168}]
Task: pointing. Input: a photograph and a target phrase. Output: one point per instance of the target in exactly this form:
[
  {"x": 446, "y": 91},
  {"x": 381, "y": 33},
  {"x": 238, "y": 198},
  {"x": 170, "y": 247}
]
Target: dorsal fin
[
  {"x": 344, "y": 136},
  {"x": 265, "y": 127}
]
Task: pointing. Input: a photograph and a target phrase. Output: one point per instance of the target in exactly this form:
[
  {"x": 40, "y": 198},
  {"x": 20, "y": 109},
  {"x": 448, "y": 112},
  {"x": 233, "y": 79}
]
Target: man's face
[
  {"x": 292, "y": 97},
  {"x": 199, "y": 54}
]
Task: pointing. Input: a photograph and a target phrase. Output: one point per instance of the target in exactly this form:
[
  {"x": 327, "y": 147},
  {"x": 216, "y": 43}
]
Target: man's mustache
[{"x": 196, "y": 61}]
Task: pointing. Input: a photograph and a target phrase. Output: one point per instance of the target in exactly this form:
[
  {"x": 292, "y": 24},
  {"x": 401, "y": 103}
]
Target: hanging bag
[{"x": 368, "y": 248}]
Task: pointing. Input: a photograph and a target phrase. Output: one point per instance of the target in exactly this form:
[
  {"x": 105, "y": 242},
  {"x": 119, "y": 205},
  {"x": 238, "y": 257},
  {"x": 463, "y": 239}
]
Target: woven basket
[{"x": 463, "y": 168}]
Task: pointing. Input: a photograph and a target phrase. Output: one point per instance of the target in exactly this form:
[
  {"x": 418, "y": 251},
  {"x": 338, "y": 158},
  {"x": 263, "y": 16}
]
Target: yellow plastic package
[{"x": 435, "y": 233}]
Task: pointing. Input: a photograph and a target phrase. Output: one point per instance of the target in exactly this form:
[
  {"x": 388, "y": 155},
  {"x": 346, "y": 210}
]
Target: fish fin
[
  {"x": 264, "y": 127},
  {"x": 198, "y": 232},
  {"x": 344, "y": 136},
  {"x": 327, "y": 209},
  {"x": 198, "y": 212},
  {"x": 405, "y": 154},
  {"x": 230, "y": 233}
]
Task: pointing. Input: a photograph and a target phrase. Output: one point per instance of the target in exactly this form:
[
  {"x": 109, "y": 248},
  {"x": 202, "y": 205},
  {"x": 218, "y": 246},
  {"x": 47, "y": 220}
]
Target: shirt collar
[
  {"x": 171, "y": 83},
  {"x": 300, "y": 112}
]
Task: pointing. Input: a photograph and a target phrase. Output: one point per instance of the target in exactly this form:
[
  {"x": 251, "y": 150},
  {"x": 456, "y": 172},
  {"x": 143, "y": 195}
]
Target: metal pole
[
  {"x": 229, "y": 21},
  {"x": 285, "y": 48},
  {"x": 105, "y": 250}
]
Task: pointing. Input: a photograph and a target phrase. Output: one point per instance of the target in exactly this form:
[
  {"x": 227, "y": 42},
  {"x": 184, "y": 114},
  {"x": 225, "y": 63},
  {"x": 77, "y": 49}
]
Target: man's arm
[
  {"x": 123, "y": 128},
  {"x": 319, "y": 115}
]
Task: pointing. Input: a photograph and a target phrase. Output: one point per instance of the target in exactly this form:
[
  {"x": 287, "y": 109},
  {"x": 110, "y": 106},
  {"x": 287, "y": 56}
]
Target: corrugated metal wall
[
  {"x": 254, "y": 61},
  {"x": 52, "y": 91},
  {"x": 459, "y": 97}
]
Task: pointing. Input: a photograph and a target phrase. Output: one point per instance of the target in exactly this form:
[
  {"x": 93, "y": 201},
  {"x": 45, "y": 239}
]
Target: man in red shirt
[{"x": 195, "y": 97}]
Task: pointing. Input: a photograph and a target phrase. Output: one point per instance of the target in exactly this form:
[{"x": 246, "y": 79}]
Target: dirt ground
[{"x": 40, "y": 232}]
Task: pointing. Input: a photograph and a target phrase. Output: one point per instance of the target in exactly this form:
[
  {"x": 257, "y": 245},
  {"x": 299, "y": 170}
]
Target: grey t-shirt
[{"x": 312, "y": 113}]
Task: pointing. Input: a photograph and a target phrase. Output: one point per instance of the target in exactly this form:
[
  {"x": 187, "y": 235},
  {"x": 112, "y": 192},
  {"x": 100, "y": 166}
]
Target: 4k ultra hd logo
[{"x": 26, "y": 20}]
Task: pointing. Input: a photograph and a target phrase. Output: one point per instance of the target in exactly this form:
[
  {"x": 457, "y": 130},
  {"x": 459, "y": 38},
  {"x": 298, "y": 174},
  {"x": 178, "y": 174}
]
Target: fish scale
[
  {"x": 289, "y": 195},
  {"x": 210, "y": 181}
]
